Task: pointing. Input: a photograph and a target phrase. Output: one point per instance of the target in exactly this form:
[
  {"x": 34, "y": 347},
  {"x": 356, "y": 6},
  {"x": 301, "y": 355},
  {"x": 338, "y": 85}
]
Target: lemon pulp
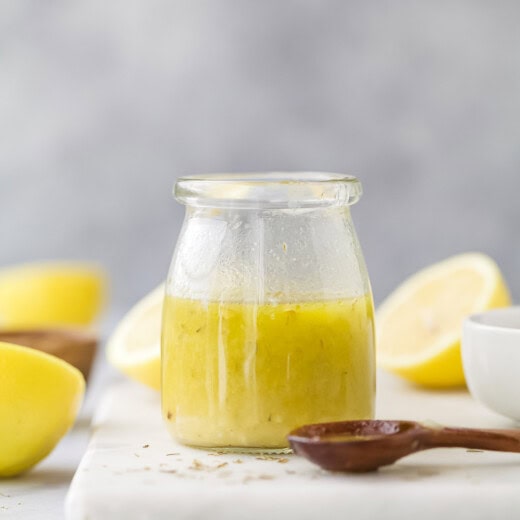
[
  {"x": 244, "y": 375},
  {"x": 134, "y": 347},
  {"x": 419, "y": 325}
]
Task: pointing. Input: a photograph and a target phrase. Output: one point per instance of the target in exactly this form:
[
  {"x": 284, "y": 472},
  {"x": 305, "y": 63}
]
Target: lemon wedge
[
  {"x": 50, "y": 293},
  {"x": 135, "y": 346},
  {"x": 419, "y": 325},
  {"x": 40, "y": 396}
]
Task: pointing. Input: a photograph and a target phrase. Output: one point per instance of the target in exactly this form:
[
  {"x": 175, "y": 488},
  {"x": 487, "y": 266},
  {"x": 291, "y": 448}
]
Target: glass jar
[{"x": 268, "y": 317}]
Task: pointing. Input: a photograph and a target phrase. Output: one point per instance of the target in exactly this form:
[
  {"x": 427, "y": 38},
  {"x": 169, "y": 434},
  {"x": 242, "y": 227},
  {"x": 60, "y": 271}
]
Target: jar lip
[{"x": 268, "y": 190}]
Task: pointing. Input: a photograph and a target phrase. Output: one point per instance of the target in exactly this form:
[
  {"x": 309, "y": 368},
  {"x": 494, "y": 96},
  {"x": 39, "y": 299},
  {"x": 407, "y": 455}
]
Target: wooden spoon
[{"x": 360, "y": 446}]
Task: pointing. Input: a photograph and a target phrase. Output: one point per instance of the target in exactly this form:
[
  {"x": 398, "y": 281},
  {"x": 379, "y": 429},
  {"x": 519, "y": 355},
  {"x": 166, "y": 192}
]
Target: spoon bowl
[{"x": 362, "y": 446}]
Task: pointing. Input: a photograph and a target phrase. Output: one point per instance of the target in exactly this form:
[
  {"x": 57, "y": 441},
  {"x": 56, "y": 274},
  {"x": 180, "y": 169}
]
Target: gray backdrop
[{"x": 103, "y": 104}]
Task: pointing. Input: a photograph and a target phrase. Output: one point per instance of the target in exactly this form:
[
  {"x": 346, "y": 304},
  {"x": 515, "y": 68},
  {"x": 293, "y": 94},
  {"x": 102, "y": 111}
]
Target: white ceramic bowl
[{"x": 491, "y": 359}]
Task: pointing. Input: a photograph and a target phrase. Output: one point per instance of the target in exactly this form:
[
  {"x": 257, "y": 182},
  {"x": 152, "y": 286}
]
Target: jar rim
[{"x": 268, "y": 190}]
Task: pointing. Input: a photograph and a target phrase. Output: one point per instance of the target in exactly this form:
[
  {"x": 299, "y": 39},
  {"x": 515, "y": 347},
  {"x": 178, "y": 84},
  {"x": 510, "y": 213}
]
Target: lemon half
[
  {"x": 419, "y": 325},
  {"x": 135, "y": 346},
  {"x": 50, "y": 293},
  {"x": 40, "y": 396}
]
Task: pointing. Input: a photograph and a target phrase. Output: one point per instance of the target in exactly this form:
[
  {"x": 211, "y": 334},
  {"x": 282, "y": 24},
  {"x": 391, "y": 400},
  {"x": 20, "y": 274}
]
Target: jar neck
[{"x": 230, "y": 213}]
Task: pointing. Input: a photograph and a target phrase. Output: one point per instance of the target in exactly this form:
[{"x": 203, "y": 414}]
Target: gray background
[{"x": 103, "y": 104}]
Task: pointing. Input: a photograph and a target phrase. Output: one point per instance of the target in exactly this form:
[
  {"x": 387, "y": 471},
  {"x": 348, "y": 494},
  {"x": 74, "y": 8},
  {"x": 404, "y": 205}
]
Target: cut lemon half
[
  {"x": 419, "y": 325},
  {"x": 135, "y": 346},
  {"x": 40, "y": 398},
  {"x": 51, "y": 293}
]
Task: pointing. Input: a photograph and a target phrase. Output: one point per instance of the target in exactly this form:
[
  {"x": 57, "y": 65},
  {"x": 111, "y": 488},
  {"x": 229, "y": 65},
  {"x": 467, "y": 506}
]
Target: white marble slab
[{"x": 133, "y": 470}]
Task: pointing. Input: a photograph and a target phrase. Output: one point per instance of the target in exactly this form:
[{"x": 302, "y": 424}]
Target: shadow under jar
[{"x": 268, "y": 317}]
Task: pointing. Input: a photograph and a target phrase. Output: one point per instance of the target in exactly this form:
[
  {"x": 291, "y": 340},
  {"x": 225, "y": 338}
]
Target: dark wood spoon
[{"x": 361, "y": 446}]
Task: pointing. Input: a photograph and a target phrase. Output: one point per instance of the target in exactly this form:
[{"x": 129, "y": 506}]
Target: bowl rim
[{"x": 475, "y": 321}]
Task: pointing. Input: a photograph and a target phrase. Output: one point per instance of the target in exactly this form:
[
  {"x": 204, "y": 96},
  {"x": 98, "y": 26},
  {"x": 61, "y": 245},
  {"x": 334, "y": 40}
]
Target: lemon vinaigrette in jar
[{"x": 268, "y": 315}]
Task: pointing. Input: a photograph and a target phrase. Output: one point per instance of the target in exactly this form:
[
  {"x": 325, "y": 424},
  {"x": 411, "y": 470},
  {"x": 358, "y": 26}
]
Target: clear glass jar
[{"x": 268, "y": 316}]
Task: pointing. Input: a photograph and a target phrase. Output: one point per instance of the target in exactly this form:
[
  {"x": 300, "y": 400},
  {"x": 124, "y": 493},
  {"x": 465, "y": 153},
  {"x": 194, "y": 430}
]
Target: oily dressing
[{"x": 244, "y": 375}]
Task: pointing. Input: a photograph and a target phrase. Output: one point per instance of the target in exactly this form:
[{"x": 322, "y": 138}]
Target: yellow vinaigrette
[{"x": 243, "y": 375}]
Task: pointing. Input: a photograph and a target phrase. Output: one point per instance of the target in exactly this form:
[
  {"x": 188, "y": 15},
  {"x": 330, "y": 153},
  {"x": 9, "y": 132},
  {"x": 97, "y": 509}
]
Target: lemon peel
[
  {"x": 39, "y": 400},
  {"x": 51, "y": 294}
]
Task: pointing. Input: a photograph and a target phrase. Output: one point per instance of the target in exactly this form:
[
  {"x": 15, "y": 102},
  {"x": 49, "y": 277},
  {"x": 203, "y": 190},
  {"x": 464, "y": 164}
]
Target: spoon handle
[{"x": 495, "y": 440}]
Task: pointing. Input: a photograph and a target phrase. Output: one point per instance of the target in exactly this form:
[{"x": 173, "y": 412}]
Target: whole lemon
[{"x": 51, "y": 293}]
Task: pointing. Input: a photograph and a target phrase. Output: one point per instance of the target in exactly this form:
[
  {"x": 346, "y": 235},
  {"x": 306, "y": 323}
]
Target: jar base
[{"x": 247, "y": 451}]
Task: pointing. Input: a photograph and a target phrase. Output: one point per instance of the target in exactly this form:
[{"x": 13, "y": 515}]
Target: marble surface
[{"x": 133, "y": 470}]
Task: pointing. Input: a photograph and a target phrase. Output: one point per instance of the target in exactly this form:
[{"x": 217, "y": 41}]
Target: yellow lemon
[
  {"x": 135, "y": 346},
  {"x": 419, "y": 325},
  {"x": 40, "y": 396},
  {"x": 50, "y": 293}
]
